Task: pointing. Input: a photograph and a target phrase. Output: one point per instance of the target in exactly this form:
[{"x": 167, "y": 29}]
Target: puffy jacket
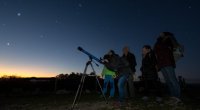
[{"x": 163, "y": 49}]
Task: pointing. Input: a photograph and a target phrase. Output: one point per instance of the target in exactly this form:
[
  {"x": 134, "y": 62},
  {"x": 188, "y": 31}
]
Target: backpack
[
  {"x": 178, "y": 52},
  {"x": 178, "y": 49}
]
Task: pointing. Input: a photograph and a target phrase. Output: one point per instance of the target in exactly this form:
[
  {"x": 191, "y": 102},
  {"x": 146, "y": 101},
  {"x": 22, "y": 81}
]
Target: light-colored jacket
[{"x": 106, "y": 71}]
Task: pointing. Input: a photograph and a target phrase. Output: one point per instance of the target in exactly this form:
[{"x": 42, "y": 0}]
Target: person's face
[
  {"x": 162, "y": 34},
  {"x": 109, "y": 53},
  {"x": 145, "y": 51},
  {"x": 125, "y": 50}
]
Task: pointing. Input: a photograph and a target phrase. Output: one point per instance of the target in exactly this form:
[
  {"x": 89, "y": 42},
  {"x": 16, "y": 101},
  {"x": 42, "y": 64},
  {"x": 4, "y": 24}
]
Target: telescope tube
[{"x": 90, "y": 55}]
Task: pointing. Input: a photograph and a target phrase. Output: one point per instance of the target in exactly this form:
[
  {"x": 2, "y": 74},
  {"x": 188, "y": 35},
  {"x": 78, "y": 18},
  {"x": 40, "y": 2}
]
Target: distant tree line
[
  {"x": 33, "y": 85},
  {"x": 68, "y": 82}
]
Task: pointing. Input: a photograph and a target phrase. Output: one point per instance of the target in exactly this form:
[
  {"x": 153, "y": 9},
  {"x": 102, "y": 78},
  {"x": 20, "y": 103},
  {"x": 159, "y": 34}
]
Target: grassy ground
[{"x": 191, "y": 101}]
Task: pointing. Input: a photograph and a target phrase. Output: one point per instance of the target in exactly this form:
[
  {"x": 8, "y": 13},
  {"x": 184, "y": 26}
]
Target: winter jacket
[
  {"x": 163, "y": 49},
  {"x": 123, "y": 67},
  {"x": 119, "y": 65},
  {"x": 106, "y": 71},
  {"x": 132, "y": 61},
  {"x": 148, "y": 68}
]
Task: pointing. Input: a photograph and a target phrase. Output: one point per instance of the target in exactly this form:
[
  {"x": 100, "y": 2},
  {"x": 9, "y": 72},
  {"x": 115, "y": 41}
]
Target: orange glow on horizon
[
  {"x": 25, "y": 72},
  {"x": 28, "y": 74}
]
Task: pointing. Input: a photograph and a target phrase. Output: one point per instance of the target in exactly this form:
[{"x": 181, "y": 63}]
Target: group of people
[{"x": 162, "y": 57}]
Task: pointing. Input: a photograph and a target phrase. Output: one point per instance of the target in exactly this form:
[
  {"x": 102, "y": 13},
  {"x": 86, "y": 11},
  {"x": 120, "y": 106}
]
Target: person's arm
[
  {"x": 103, "y": 71},
  {"x": 133, "y": 62}
]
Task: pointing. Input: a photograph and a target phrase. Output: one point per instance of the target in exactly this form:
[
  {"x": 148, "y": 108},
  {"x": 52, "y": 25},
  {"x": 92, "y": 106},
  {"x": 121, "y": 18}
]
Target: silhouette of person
[
  {"x": 163, "y": 49},
  {"x": 129, "y": 85},
  {"x": 109, "y": 76},
  {"x": 149, "y": 73}
]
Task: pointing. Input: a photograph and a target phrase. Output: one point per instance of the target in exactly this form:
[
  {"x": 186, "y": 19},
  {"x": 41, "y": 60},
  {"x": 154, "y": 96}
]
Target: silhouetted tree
[{"x": 92, "y": 73}]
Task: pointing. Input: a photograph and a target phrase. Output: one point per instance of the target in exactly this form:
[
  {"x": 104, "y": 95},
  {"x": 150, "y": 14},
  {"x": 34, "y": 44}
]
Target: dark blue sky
[{"x": 40, "y": 37}]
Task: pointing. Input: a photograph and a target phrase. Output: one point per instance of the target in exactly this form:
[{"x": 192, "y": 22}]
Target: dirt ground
[
  {"x": 94, "y": 101},
  {"x": 91, "y": 102}
]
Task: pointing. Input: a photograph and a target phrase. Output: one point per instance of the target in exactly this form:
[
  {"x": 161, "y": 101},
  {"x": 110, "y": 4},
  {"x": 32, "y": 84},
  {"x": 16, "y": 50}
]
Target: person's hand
[
  {"x": 102, "y": 75},
  {"x": 157, "y": 67}
]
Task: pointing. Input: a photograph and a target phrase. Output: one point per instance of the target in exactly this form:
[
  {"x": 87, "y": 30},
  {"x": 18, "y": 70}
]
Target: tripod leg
[
  {"x": 78, "y": 92},
  {"x": 80, "y": 87},
  {"x": 101, "y": 90},
  {"x": 99, "y": 84}
]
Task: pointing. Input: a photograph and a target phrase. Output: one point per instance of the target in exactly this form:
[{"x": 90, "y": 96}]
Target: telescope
[
  {"x": 81, "y": 84},
  {"x": 90, "y": 55}
]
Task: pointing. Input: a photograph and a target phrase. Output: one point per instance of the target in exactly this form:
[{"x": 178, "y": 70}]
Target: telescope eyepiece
[{"x": 80, "y": 48}]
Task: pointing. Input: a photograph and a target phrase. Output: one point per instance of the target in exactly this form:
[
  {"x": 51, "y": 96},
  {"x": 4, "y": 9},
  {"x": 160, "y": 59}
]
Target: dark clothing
[
  {"x": 113, "y": 62},
  {"x": 152, "y": 87},
  {"x": 166, "y": 63},
  {"x": 164, "y": 51},
  {"x": 123, "y": 67},
  {"x": 150, "y": 75},
  {"x": 118, "y": 64},
  {"x": 129, "y": 86},
  {"x": 148, "y": 68},
  {"x": 132, "y": 61}
]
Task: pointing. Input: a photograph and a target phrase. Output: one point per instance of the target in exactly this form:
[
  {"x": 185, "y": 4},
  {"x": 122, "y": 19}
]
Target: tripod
[{"x": 81, "y": 84}]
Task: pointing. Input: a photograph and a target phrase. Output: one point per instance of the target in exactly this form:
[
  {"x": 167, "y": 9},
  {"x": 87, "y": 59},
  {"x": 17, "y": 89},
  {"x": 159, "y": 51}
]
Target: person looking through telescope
[
  {"x": 109, "y": 76},
  {"x": 122, "y": 68}
]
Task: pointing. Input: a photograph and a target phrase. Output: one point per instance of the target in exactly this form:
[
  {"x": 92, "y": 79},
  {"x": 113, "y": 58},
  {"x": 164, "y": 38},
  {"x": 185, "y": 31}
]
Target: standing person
[
  {"x": 109, "y": 76},
  {"x": 123, "y": 74},
  {"x": 149, "y": 73},
  {"x": 129, "y": 86},
  {"x": 166, "y": 64}
]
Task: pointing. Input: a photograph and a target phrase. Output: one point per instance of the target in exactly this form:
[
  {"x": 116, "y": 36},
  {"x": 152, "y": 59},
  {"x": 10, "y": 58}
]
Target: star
[
  {"x": 8, "y": 44},
  {"x": 19, "y": 14},
  {"x": 41, "y": 36},
  {"x": 57, "y": 22},
  {"x": 80, "y": 5}
]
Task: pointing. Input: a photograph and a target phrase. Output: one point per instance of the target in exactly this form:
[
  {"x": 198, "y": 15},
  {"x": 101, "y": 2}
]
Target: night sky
[{"x": 40, "y": 37}]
